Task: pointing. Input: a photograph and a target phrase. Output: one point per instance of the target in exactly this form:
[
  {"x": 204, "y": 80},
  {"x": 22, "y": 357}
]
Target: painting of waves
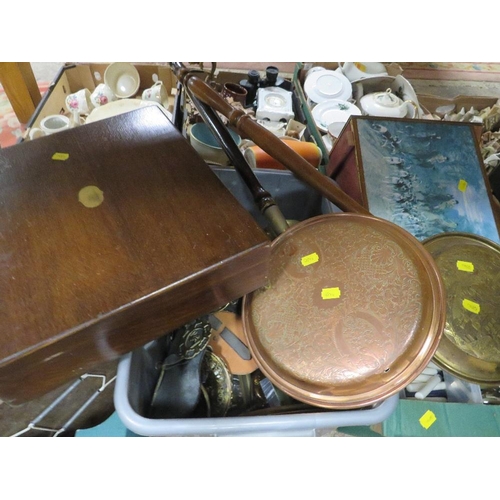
[{"x": 425, "y": 177}]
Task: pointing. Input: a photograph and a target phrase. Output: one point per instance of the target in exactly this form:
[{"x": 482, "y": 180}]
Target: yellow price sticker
[
  {"x": 462, "y": 185},
  {"x": 427, "y": 419},
  {"x": 360, "y": 66},
  {"x": 307, "y": 260},
  {"x": 330, "y": 293},
  {"x": 473, "y": 307},
  {"x": 60, "y": 156},
  {"x": 462, "y": 265}
]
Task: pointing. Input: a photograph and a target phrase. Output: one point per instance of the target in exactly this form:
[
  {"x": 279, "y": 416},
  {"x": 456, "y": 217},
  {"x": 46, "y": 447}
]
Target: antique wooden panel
[{"x": 111, "y": 234}]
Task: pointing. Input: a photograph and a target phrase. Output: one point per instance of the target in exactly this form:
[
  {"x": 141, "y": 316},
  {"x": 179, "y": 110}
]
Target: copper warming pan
[{"x": 354, "y": 308}]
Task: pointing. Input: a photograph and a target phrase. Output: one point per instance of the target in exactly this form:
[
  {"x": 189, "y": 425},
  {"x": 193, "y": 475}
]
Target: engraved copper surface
[
  {"x": 470, "y": 267},
  {"x": 354, "y": 310}
]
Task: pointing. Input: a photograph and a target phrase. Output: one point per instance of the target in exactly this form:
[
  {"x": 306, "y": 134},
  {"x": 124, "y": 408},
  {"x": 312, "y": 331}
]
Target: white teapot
[{"x": 387, "y": 104}]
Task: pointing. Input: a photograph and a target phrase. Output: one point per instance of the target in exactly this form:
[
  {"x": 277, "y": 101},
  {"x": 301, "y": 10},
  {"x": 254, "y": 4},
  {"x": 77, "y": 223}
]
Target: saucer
[
  {"x": 323, "y": 85},
  {"x": 333, "y": 110},
  {"x": 116, "y": 108}
]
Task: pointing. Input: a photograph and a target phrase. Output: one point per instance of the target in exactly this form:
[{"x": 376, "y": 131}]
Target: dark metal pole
[{"x": 262, "y": 198}]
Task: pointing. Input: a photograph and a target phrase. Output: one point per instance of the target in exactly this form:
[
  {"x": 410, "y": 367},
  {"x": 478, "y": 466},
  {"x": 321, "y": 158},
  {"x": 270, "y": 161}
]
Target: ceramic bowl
[
  {"x": 123, "y": 79},
  {"x": 207, "y": 146}
]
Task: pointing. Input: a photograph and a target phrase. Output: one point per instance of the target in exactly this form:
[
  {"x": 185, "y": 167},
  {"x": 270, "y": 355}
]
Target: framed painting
[{"x": 426, "y": 176}]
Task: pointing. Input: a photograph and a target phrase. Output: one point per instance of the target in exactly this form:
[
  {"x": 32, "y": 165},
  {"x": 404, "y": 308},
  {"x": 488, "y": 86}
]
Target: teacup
[
  {"x": 157, "y": 93},
  {"x": 79, "y": 102},
  {"x": 123, "y": 79},
  {"x": 334, "y": 129},
  {"x": 235, "y": 91},
  {"x": 50, "y": 125},
  {"x": 102, "y": 95},
  {"x": 355, "y": 71}
]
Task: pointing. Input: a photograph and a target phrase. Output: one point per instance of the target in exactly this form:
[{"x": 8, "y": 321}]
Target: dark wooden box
[
  {"x": 157, "y": 240},
  {"x": 426, "y": 176}
]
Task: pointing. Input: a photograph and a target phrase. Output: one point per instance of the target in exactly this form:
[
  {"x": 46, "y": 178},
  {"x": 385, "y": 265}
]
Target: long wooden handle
[{"x": 248, "y": 127}]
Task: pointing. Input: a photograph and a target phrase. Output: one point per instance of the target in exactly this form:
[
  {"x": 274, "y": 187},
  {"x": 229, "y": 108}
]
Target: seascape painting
[{"x": 425, "y": 177}]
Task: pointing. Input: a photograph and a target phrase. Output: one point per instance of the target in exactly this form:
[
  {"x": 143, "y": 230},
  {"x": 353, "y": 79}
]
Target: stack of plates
[{"x": 329, "y": 93}]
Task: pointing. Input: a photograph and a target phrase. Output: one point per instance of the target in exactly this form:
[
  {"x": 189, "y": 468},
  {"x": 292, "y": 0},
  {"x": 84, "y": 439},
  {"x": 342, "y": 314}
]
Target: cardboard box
[
  {"x": 295, "y": 128},
  {"x": 223, "y": 76},
  {"x": 74, "y": 77},
  {"x": 426, "y": 176},
  {"x": 427, "y": 103},
  {"x": 299, "y": 76},
  {"x": 433, "y": 105}
]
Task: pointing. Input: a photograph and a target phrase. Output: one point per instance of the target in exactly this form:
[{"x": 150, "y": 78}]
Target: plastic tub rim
[{"x": 234, "y": 426}]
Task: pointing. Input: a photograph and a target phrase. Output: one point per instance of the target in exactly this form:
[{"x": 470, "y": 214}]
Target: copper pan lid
[
  {"x": 470, "y": 268},
  {"x": 353, "y": 312}
]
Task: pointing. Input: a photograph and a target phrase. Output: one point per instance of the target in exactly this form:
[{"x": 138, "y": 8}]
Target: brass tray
[
  {"x": 470, "y": 268},
  {"x": 353, "y": 312}
]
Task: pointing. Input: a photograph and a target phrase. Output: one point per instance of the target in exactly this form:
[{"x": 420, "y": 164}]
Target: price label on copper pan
[
  {"x": 348, "y": 330},
  {"x": 470, "y": 267}
]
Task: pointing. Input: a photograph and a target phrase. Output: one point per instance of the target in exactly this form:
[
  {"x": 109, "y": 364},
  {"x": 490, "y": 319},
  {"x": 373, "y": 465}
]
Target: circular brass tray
[
  {"x": 353, "y": 312},
  {"x": 470, "y": 268}
]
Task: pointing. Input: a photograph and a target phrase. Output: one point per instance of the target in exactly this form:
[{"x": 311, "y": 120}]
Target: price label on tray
[
  {"x": 307, "y": 260},
  {"x": 330, "y": 293}
]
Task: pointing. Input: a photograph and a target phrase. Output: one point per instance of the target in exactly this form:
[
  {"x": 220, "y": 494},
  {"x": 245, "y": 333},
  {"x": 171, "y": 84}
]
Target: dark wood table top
[{"x": 127, "y": 236}]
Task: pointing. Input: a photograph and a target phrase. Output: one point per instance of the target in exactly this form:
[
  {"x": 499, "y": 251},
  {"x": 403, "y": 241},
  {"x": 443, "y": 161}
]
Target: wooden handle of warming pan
[{"x": 248, "y": 127}]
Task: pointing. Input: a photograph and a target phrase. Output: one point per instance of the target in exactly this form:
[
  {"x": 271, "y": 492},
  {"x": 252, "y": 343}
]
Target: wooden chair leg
[{"x": 21, "y": 88}]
